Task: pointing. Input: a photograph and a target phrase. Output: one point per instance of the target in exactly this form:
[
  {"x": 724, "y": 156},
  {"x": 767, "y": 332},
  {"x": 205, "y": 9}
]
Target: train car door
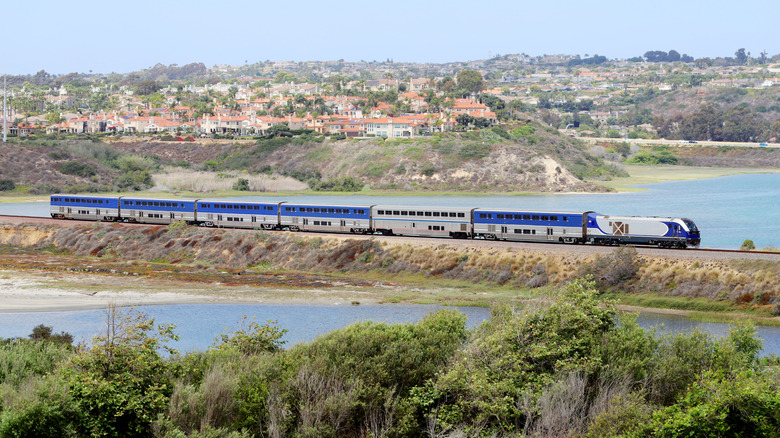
[{"x": 550, "y": 235}]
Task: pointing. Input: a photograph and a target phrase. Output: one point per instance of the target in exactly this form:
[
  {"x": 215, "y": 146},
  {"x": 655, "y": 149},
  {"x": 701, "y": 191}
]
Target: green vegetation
[
  {"x": 653, "y": 158},
  {"x": 77, "y": 168},
  {"x": 242, "y": 185},
  {"x": 568, "y": 365},
  {"x": 343, "y": 184},
  {"x": 6, "y": 185}
]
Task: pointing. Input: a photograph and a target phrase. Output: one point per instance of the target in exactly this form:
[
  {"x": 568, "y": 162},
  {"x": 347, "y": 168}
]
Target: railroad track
[{"x": 538, "y": 246}]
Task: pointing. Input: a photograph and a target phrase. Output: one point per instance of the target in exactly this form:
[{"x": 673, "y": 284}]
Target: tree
[
  {"x": 121, "y": 383},
  {"x": 470, "y": 82},
  {"x": 742, "y": 56}
]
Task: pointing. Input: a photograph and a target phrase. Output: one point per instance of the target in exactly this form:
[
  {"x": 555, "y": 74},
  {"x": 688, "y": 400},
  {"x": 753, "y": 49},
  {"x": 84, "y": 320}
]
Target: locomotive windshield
[{"x": 691, "y": 226}]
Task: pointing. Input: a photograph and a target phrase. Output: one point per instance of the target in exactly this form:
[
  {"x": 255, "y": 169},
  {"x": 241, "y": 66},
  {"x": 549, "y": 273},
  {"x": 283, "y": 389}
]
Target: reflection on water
[{"x": 199, "y": 324}]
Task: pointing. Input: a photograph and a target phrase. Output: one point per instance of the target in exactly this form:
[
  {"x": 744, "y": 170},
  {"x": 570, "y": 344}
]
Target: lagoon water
[
  {"x": 200, "y": 324},
  {"x": 727, "y": 209}
]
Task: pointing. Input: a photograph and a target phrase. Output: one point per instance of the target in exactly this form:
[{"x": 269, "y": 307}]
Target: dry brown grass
[
  {"x": 207, "y": 182},
  {"x": 744, "y": 283}
]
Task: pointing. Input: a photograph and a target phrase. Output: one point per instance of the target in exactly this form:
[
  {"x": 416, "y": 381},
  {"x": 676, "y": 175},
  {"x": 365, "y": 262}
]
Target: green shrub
[
  {"x": 6, "y": 185},
  {"x": 242, "y": 185},
  {"x": 428, "y": 170},
  {"x": 473, "y": 151},
  {"x": 343, "y": 184},
  {"x": 77, "y": 168},
  {"x": 748, "y": 245}
]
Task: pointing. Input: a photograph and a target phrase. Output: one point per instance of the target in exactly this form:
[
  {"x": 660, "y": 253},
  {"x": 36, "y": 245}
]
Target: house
[{"x": 388, "y": 127}]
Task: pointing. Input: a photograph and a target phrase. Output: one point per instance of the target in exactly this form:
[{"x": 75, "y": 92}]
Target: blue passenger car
[
  {"x": 156, "y": 211},
  {"x": 546, "y": 226},
  {"x": 325, "y": 217},
  {"x": 237, "y": 214},
  {"x": 84, "y": 207}
]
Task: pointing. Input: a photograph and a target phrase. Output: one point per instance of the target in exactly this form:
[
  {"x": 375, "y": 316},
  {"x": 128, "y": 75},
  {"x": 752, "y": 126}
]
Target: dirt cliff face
[{"x": 406, "y": 165}]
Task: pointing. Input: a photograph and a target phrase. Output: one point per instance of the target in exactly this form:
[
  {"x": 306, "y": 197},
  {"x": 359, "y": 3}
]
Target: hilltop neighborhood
[{"x": 588, "y": 96}]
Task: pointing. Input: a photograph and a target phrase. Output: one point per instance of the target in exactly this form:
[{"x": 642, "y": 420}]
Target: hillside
[
  {"x": 524, "y": 157},
  {"x": 765, "y": 102}
]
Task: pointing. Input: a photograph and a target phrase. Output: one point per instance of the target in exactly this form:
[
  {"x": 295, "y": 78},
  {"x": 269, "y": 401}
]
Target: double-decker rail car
[
  {"x": 325, "y": 217},
  {"x": 456, "y": 222},
  {"x": 665, "y": 232},
  {"x": 84, "y": 207},
  {"x": 530, "y": 225},
  {"x": 156, "y": 211},
  {"x": 422, "y": 221},
  {"x": 237, "y": 214}
]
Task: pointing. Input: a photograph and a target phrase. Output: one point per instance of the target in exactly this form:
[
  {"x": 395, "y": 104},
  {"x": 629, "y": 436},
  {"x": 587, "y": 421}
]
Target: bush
[
  {"x": 77, "y": 168},
  {"x": 615, "y": 269},
  {"x": 135, "y": 180},
  {"x": 343, "y": 184},
  {"x": 748, "y": 245},
  {"x": 6, "y": 185},
  {"x": 241, "y": 185}
]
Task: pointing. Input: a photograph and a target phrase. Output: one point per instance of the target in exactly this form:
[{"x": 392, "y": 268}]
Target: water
[
  {"x": 199, "y": 324},
  {"x": 728, "y": 209}
]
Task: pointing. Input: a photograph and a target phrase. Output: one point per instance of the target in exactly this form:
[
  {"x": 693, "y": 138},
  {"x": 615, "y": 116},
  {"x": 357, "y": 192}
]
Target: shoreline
[{"x": 639, "y": 175}]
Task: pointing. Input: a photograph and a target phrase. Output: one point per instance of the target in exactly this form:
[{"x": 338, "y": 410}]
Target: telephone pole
[{"x": 5, "y": 111}]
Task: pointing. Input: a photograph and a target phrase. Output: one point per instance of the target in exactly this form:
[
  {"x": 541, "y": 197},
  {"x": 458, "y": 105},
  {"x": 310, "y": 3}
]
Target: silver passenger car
[{"x": 422, "y": 221}]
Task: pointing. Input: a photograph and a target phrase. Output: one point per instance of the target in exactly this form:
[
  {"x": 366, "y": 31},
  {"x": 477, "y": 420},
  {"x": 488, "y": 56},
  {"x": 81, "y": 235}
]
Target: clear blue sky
[{"x": 103, "y": 37}]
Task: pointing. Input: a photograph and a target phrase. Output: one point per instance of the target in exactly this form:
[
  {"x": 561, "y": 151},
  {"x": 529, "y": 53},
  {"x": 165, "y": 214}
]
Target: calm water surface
[
  {"x": 728, "y": 209},
  {"x": 199, "y": 324}
]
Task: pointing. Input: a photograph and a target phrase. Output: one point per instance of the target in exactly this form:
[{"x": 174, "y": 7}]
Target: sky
[{"x": 120, "y": 37}]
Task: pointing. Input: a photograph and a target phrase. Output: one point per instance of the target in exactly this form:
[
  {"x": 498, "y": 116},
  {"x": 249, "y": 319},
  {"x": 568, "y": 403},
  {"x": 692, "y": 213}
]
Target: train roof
[
  {"x": 86, "y": 196},
  {"x": 422, "y": 207},
  {"x": 307, "y": 204},
  {"x": 236, "y": 201},
  {"x": 521, "y": 210},
  {"x": 146, "y": 198},
  {"x": 637, "y": 218}
]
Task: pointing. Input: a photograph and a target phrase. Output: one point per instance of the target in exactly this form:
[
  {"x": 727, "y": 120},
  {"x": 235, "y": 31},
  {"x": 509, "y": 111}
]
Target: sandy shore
[{"x": 22, "y": 292}]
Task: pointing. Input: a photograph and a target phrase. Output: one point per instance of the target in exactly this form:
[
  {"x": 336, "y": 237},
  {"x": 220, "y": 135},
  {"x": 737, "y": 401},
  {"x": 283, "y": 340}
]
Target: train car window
[
  {"x": 566, "y": 219},
  {"x": 553, "y": 218},
  {"x": 526, "y": 231},
  {"x": 518, "y": 231},
  {"x": 461, "y": 214},
  {"x": 526, "y": 217},
  {"x": 453, "y": 214},
  {"x": 545, "y": 218},
  {"x": 482, "y": 215},
  {"x": 500, "y": 216},
  {"x": 436, "y": 214},
  {"x": 362, "y": 211},
  {"x": 396, "y": 213},
  {"x": 535, "y": 217},
  {"x": 533, "y": 231},
  {"x": 331, "y": 210},
  {"x": 380, "y": 212},
  {"x": 404, "y": 213},
  {"x": 243, "y": 207}
]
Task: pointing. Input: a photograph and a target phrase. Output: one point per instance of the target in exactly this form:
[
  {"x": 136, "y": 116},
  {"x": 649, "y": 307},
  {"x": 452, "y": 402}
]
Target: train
[{"x": 572, "y": 227}]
